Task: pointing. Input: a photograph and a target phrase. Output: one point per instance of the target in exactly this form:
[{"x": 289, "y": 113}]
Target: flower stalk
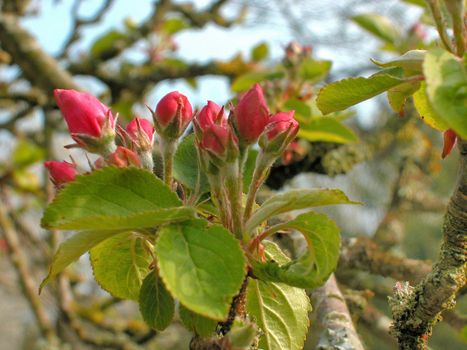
[{"x": 168, "y": 148}]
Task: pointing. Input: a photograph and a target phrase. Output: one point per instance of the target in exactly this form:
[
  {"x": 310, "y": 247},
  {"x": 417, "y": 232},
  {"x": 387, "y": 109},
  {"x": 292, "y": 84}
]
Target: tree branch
[
  {"x": 79, "y": 22},
  {"x": 20, "y": 263},
  {"x": 416, "y": 309},
  {"x": 333, "y": 314},
  {"x": 38, "y": 67},
  {"x": 363, "y": 254}
]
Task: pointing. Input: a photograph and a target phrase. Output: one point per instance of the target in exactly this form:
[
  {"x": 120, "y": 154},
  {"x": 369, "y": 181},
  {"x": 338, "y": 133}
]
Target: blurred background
[{"x": 131, "y": 53}]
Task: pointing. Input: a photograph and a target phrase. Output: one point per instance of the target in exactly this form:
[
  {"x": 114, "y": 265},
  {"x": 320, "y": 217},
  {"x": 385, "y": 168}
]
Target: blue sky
[{"x": 53, "y": 25}]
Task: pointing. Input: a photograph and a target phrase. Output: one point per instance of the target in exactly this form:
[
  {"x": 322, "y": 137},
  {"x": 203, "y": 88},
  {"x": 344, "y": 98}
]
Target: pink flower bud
[
  {"x": 251, "y": 115},
  {"x": 173, "y": 111},
  {"x": 124, "y": 157},
  {"x": 210, "y": 114},
  {"x": 280, "y": 123},
  {"x": 84, "y": 114},
  {"x": 61, "y": 172},
  {"x": 215, "y": 139},
  {"x": 139, "y": 129},
  {"x": 280, "y": 131}
]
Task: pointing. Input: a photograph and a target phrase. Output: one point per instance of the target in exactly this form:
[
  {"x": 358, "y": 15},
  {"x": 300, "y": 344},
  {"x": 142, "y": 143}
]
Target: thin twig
[
  {"x": 20, "y": 262},
  {"x": 79, "y": 23}
]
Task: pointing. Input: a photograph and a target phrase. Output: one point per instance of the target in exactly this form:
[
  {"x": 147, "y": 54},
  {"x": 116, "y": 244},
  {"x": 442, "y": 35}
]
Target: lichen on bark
[{"x": 417, "y": 309}]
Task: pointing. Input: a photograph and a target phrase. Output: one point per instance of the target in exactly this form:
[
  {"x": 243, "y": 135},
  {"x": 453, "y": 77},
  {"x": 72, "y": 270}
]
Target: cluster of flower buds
[
  {"x": 94, "y": 128},
  {"x": 221, "y": 141}
]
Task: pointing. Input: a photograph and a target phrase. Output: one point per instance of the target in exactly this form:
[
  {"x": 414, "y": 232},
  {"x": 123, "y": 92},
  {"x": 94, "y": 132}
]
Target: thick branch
[
  {"x": 333, "y": 314},
  {"x": 363, "y": 254},
  {"x": 38, "y": 67},
  {"x": 417, "y": 309}
]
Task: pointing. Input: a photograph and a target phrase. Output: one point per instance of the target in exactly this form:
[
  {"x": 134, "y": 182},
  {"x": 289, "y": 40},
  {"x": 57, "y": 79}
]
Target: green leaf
[
  {"x": 411, "y": 61},
  {"x": 301, "y": 108},
  {"x": 243, "y": 334},
  {"x": 202, "y": 266},
  {"x": 327, "y": 129},
  {"x": 398, "y": 95},
  {"x": 155, "y": 303},
  {"x": 26, "y": 153},
  {"x": 75, "y": 246},
  {"x": 120, "y": 264},
  {"x": 446, "y": 88},
  {"x": 313, "y": 70},
  {"x": 426, "y": 111},
  {"x": 342, "y": 94},
  {"x": 294, "y": 200},
  {"x": 380, "y": 26},
  {"x": 197, "y": 323},
  {"x": 313, "y": 268},
  {"x": 108, "y": 41},
  {"x": 186, "y": 167},
  {"x": 245, "y": 81},
  {"x": 420, "y": 3},
  {"x": 115, "y": 198},
  {"x": 463, "y": 334},
  {"x": 279, "y": 310},
  {"x": 27, "y": 180},
  {"x": 174, "y": 25},
  {"x": 260, "y": 52}
]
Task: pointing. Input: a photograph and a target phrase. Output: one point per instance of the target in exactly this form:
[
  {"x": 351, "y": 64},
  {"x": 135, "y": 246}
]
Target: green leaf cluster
[
  {"x": 146, "y": 246},
  {"x": 436, "y": 79}
]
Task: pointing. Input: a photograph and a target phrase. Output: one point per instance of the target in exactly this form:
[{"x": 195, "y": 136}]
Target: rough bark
[
  {"x": 363, "y": 254},
  {"x": 416, "y": 309}
]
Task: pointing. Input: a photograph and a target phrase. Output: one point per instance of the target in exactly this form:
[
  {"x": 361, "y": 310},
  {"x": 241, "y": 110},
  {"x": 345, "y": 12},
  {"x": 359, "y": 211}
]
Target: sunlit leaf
[
  {"x": 313, "y": 268},
  {"x": 202, "y": 266},
  {"x": 446, "y": 88},
  {"x": 281, "y": 311},
  {"x": 342, "y": 94},
  {"x": 120, "y": 264},
  {"x": 115, "y": 198},
  {"x": 378, "y": 25},
  {"x": 294, "y": 200},
  {"x": 327, "y": 129}
]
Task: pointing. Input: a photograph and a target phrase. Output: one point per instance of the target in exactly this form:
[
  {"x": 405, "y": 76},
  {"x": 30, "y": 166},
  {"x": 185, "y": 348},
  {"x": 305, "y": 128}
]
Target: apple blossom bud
[
  {"x": 218, "y": 146},
  {"x": 210, "y": 114},
  {"x": 141, "y": 133},
  {"x": 124, "y": 157},
  {"x": 280, "y": 131},
  {"x": 172, "y": 115},
  {"x": 450, "y": 138},
  {"x": 215, "y": 139},
  {"x": 90, "y": 122},
  {"x": 251, "y": 115},
  {"x": 61, "y": 172}
]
